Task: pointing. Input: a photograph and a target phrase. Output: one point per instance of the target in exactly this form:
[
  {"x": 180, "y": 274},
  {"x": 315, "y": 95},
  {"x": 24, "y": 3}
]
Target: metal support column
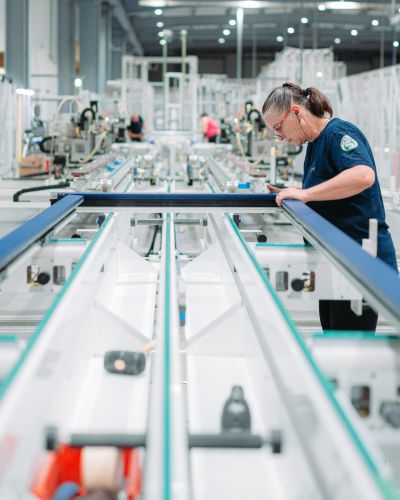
[
  {"x": 66, "y": 48},
  {"x": 182, "y": 92},
  {"x": 315, "y": 29},
  {"x": 301, "y": 46},
  {"x": 394, "y": 48},
  {"x": 118, "y": 50},
  {"x": 17, "y": 41},
  {"x": 382, "y": 49},
  {"x": 165, "y": 79},
  {"x": 89, "y": 36},
  {"x": 105, "y": 46},
  {"x": 254, "y": 54},
  {"x": 239, "y": 47}
]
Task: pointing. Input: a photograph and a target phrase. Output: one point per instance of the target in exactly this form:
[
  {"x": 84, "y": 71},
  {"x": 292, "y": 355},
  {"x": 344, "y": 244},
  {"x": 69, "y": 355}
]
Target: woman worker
[
  {"x": 339, "y": 181},
  {"x": 209, "y": 128}
]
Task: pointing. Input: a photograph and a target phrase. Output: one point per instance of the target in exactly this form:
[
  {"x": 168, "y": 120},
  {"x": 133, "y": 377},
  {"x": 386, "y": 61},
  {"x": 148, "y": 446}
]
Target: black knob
[
  {"x": 236, "y": 412},
  {"x": 237, "y": 219},
  {"x": 261, "y": 238},
  {"x": 100, "y": 219},
  {"x": 43, "y": 278},
  {"x": 51, "y": 438},
  {"x": 275, "y": 440},
  {"x": 297, "y": 284},
  {"x": 76, "y": 236},
  {"x": 124, "y": 362}
]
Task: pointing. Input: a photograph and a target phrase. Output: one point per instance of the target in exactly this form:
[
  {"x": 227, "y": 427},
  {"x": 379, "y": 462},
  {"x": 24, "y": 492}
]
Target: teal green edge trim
[
  {"x": 8, "y": 379},
  {"x": 354, "y": 335},
  {"x": 385, "y": 486},
  {"x": 167, "y": 375},
  {"x": 67, "y": 240},
  {"x": 128, "y": 186},
  {"x": 210, "y": 186},
  {"x": 8, "y": 338},
  {"x": 291, "y": 245}
]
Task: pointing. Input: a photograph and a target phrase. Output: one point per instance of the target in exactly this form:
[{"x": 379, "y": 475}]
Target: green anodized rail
[
  {"x": 385, "y": 486},
  {"x": 167, "y": 373},
  {"x": 36, "y": 334}
]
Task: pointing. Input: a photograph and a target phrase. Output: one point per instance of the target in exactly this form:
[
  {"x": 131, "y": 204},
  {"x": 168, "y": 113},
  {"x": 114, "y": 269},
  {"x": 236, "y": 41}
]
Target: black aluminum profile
[{"x": 175, "y": 200}]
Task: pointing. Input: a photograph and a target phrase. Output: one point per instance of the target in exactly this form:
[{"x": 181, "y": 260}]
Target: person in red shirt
[{"x": 209, "y": 128}]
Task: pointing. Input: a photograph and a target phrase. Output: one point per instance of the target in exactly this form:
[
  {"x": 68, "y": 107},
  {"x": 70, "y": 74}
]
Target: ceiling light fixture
[
  {"x": 321, "y": 7},
  {"x": 337, "y": 40},
  {"x": 158, "y": 12},
  {"x": 290, "y": 30},
  {"x": 160, "y": 24},
  {"x": 354, "y": 32},
  {"x": 161, "y": 34},
  {"x": 396, "y": 44},
  {"x": 221, "y": 40},
  {"x": 232, "y": 22},
  {"x": 343, "y": 5},
  {"x": 304, "y": 20},
  {"x": 163, "y": 41},
  {"x": 279, "y": 38},
  {"x": 251, "y": 4},
  {"x": 226, "y": 32},
  {"x": 28, "y": 92},
  {"x": 375, "y": 22}
]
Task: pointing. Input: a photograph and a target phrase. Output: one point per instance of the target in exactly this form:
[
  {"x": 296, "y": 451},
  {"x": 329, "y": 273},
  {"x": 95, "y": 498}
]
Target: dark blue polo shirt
[{"x": 341, "y": 145}]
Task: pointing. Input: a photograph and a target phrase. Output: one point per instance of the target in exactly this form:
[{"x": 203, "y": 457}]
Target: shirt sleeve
[{"x": 348, "y": 148}]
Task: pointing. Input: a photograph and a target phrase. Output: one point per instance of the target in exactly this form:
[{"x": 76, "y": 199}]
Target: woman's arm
[{"x": 348, "y": 183}]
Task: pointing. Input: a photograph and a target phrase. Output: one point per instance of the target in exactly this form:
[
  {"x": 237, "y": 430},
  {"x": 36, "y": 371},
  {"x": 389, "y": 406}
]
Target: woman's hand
[
  {"x": 291, "y": 194},
  {"x": 273, "y": 189}
]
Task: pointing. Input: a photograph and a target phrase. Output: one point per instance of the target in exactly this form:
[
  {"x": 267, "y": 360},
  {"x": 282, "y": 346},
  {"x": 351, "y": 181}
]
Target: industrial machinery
[
  {"x": 159, "y": 330},
  {"x": 159, "y": 339}
]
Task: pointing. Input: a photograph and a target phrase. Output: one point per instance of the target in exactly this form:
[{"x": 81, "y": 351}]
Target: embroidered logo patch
[{"x": 348, "y": 143}]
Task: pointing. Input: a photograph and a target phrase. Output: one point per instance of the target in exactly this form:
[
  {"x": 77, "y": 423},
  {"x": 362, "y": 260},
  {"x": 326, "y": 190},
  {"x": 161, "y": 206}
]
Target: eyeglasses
[{"x": 278, "y": 126}]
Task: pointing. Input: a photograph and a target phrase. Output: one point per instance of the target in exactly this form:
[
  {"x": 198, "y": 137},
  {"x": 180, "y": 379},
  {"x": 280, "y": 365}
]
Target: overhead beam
[
  {"x": 122, "y": 17},
  {"x": 261, "y": 4}
]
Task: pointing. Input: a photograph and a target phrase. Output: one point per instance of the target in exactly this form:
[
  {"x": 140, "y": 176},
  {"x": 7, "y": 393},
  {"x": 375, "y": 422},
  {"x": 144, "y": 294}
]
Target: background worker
[
  {"x": 340, "y": 181},
  {"x": 209, "y": 128},
  {"x": 136, "y": 128}
]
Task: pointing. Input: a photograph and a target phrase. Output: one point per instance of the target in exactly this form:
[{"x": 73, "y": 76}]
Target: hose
[
  {"x": 83, "y": 117},
  {"x": 151, "y": 248},
  {"x": 250, "y": 166},
  {"x": 37, "y": 174},
  {"x": 17, "y": 195},
  {"x": 297, "y": 152},
  {"x": 44, "y": 141},
  {"x": 95, "y": 149}
]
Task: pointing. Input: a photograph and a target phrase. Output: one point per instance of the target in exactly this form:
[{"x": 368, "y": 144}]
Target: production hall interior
[{"x": 199, "y": 248}]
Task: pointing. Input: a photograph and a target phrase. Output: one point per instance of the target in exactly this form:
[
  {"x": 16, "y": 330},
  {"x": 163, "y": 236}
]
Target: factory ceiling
[{"x": 347, "y": 26}]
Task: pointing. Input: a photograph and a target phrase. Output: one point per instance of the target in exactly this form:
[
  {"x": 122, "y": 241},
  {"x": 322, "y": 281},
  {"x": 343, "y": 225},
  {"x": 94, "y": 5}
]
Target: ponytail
[
  {"x": 318, "y": 103},
  {"x": 281, "y": 98}
]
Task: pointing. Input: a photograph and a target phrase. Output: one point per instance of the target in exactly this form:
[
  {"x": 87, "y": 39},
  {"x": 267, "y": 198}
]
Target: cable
[
  {"x": 250, "y": 166},
  {"x": 95, "y": 149},
  {"x": 37, "y": 174},
  {"x": 44, "y": 141},
  {"x": 17, "y": 195},
  {"x": 151, "y": 248},
  {"x": 297, "y": 152},
  {"x": 83, "y": 117}
]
